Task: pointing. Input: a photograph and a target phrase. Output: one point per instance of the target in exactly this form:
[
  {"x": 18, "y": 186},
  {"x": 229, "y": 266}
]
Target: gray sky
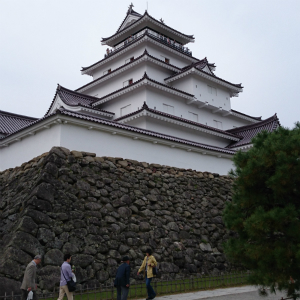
[{"x": 253, "y": 42}]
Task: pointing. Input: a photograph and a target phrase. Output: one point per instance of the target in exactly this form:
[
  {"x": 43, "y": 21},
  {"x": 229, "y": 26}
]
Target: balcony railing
[{"x": 159, "y": 37}]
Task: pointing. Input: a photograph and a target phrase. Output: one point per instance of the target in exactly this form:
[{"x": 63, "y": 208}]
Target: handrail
[{"x": 155, "y": 35}]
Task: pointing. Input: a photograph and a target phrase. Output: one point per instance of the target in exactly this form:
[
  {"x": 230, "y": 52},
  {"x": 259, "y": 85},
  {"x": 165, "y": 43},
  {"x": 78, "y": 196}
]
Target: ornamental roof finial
[{"x": 130, "y": 8}]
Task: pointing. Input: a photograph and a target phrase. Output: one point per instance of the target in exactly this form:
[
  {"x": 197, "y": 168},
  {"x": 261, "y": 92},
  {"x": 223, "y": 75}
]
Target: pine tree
[{"x": 265, "y": 211}]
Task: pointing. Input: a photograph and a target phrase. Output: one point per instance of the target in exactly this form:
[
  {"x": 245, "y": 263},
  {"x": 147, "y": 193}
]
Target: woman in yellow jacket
[{"x": 147, "y": 266}]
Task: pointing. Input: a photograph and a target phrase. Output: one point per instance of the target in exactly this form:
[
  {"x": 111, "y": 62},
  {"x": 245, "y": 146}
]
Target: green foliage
[{"x": 265, "y": 210}]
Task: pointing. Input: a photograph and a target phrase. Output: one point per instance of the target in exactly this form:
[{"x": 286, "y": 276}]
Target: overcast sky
[{"x": 253, "y": 42}]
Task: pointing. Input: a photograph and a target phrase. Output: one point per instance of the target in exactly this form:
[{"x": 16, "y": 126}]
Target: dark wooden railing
[{"x": 138, "y": 290}]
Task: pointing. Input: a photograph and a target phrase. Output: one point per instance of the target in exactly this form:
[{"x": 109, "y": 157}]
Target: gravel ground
[
  {"x": 245, "y": 296},
  {"x": 238, "y": 293}
]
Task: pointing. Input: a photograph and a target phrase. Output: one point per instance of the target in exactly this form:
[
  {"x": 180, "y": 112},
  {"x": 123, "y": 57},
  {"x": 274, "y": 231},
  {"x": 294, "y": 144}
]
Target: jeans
[
  {"x": 150, "y": 291},
  {"x": 122, "y": 292}
]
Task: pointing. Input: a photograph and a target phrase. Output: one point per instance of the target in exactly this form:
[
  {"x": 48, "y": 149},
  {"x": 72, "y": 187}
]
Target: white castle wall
[
  {"x": 104, "y": 143},
  {"x": 29, "y": 147},
  {"x": 184, "y": 133},
  {"x": 135, "y": 99}
]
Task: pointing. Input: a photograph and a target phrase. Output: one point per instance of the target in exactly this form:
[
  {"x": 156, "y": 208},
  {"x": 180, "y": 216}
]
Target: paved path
[{"x": 240, "y": 293}]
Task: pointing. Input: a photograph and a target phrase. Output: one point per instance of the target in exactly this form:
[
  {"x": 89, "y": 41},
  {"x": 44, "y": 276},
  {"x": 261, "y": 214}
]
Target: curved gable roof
[
  {"x": 146, "y": 16},
  {"x": 248, "y": 132},
  {"x": 72, "y": 98},
  {"x": 129, "y": 12}
]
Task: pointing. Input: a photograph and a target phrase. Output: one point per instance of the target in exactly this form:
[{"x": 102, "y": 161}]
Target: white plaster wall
[
  {"x": 106, "y": 144},
  {"x": 158, "y": 52},
  {"x": 136, "y": 98},
  {"x": 119, "y": 60},
  {"x": 185, "y": 84},
  {"x": 136, "y": 73},
  {"x": 29, "y": 147},
  {"x": 200, "y": 90},
  {"x": 116, "y": 82},
  {"x": 156, "y": 99},
  {"x": 158, "y": 73},
  {"x": 179, "y": 131},
  {"x": 137, "y": 50}
]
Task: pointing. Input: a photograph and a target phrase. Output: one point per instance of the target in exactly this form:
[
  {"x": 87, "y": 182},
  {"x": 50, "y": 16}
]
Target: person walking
[
  {"x": 28, "y": 283},
  {"x": 122, "y": 280},
  {"x": 147, "y": 266},
  {"x": 65, "y": 276}
]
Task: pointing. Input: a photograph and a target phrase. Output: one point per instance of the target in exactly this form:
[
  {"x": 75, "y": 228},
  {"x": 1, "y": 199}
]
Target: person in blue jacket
[{"x": 122, "y": 280}]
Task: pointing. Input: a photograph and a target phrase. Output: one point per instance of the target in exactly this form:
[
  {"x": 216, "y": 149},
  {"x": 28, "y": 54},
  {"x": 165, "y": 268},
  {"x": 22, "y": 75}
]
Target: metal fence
[{"x": 138, "y": 290}]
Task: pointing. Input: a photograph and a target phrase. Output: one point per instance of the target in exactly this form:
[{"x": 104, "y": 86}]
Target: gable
[{"x": 128, "y": 21}]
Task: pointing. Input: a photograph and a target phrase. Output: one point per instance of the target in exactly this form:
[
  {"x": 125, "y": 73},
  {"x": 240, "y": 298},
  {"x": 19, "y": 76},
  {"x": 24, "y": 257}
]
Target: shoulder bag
[{"x": 71, "y": 284}]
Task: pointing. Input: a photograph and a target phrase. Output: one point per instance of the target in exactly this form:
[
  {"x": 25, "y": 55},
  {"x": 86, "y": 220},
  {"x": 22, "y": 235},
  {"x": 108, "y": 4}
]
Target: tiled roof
[
  {"x": 201, "y": 64},
  {"x": 154, "y": 111},
  {"x": 143, "y": 16},
  {"x": 72, "y": 98},
  {"x": 10, "y": 122},
  {"x": 129, "y": 44},
  {"x": 237, "y": 112},
  {"x": 62, "y": 111},
  {"x": 198, "y": 66},
  {"x": 248, "y": 132},
  {"x": 138, "y": 81},
  {"x": 125, "y": 65}
]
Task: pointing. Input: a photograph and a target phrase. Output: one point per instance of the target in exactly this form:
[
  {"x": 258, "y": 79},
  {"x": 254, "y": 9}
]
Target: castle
[{"x": 149, "y": 99}]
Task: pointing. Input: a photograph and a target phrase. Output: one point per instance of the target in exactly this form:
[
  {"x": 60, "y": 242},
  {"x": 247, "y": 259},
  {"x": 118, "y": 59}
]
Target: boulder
[
  {"x": 27, "y": 243},
  {"x": 82, "y": 260},
  {"x": 44, "y": 191},
  {"x": 9, "y": 285},
  {"x": 102, "y": 276},
  {"x": 144, "y": 226},
  {"x": 45, "y": 235},
  {"x": 123, "y": 249},
  {"x": 38, "y": 217},
  {"x": 11, "y": 268},
  {"x": 205, "y": 247},
  {"x": 28, "y": 225},
  {"x": 17, "y": 255},
  {"x": 50, "y": 277},
  {"x": 173, "y": 226},
  {"x": 54, "y": 257},
  {"x": 70, "y": 248},
  {"x": 124, "y": 212},
  {"x": 114, "y": 254}
]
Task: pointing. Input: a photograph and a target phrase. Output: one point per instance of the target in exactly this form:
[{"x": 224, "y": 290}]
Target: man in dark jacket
[{"x": 122, "y": 279}]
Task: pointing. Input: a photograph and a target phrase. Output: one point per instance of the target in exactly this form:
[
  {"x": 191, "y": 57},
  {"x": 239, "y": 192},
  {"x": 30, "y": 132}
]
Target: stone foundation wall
[{"x": 101, "y": 208}]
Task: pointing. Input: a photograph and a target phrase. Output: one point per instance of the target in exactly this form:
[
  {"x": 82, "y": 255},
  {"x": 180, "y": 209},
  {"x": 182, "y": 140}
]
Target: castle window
[
  {"x": 168, "y": 109},
  {"x": 212, "y": 90},
  {"x": 107, "y": 71},
  {"x": 125, "y": 110},
  {"x": 128, "y": 82},
  {"x": 218, "y": 124},
  {"x": 193, "y": 117},
  {"x": 129, "y": 59},
  {"x": 165, "y": 59}
]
